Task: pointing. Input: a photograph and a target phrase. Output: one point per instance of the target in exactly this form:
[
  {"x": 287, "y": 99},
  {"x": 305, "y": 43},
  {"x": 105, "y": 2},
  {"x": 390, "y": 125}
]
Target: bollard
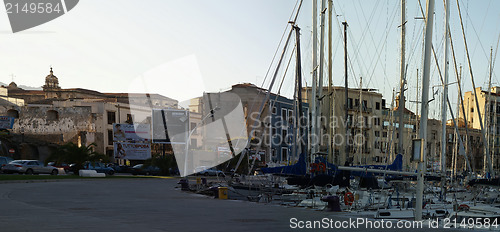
[
  {"x": 184, "y": 184},
  {"x": 222, "y": 192},
  {"x": 333, "y": 203}
]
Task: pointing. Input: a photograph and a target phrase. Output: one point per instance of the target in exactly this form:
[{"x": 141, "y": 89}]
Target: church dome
[{"x": 51, "y": 81}]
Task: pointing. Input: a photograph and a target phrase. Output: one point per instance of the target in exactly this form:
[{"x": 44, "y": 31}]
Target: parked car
[
  {"x": 208, "y": 171},
  {"x": 5, "y": 160},
  {"x": 64, "y": 166},
  {"x": 29, "y": 167},
  {"x": 98, "y": 167},
  {"x": 140, "y": 169},
  {"x": 119, "y": 168}
]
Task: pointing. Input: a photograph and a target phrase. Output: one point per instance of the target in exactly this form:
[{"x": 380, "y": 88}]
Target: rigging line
[
  {"x": 367, "y": 22},
  {"x": 475, "y": 32},
  {"x": 379, "y": 49},
  {"x": 416, "y": 36},
  {"x": 279, "y": 45},
  {"x": 495, "y": 59},
  {"x": 342, "y": 35},
  {"x": 277, "y": 49},
  {"x": 283, "y": 78},
  {"x": 366, "y": 28},
  {"x": 286, "y": 70},
  {"x": 383, "y": 44},
  {"x": 363, "y": 42},
  {"x": 268, "y": 92}
]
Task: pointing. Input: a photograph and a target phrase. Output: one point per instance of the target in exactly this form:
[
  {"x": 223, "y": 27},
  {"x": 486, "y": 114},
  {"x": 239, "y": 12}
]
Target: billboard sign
[
  {"x": 131, "y": 132},
  {"x": 6, "y": 122},
  {"x": 132, "y": 151},
  {"x": 170, "y": 126}
]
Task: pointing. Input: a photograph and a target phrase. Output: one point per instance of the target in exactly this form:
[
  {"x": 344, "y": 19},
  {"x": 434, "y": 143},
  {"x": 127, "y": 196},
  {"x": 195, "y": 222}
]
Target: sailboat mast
[
  {"x": 401, "y": 103},
  {"x": 487, "y": 116},
  {"x": 483, "y": 133},
  {"x": 425, "y": 107},
  {"x": 321, "y": 72},
  {"x": 330, "y": 82},
  {"x": 314, "y": 137},
  {"x": 346, "y": 122},
  {"x": 445, "y": 99},
  {"x": 298, "y": 117}
]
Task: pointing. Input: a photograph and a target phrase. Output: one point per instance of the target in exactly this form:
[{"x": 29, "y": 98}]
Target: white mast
[
  {"x": 314, "y": 137},
  {"x": 425, "y": 106},
  {"x": 401, "y": 102},
  {"x": 445, "y": 100}
]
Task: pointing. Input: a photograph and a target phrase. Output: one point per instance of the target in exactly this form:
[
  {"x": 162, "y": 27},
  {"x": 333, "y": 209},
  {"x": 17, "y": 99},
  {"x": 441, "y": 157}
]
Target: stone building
[
  {"x": 272, "y": 138},
  {"x": 51, "y": 116}
]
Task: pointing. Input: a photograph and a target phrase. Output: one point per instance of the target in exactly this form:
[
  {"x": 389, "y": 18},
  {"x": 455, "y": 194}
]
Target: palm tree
[{"x": 73, "y": 154}]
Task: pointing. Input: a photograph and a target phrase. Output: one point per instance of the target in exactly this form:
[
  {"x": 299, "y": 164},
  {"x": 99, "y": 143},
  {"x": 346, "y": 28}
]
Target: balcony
[{"x": 356, "y": 108}]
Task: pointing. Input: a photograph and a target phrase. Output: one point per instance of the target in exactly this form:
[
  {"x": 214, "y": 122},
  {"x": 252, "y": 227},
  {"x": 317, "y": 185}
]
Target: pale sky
[{"x": 180, "y": 48}]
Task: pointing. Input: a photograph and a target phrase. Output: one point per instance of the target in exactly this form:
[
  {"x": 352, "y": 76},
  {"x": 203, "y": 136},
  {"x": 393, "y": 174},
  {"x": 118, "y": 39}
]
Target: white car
[
  {"x": 202, "y": 170},
  {"x": 29, "y": 167}
]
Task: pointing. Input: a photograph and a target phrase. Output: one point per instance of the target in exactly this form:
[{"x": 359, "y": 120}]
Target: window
[
  {"x": 13, "y": 113},
  {"x": 129, "y": 119},
  {"x": 349, "y": 120},
  {"x": 377, "y": 105},
  {"x": 111, "y": 117},
  {"x": 284, "y": 154},
  {"x": 193, "y": 126},
  {"x": 384, "y": 134},
  {"x": 472, "y": 110},
  {"x": 283, "y": 114},
  {"x": 52, "y": 115},
  {"x": 356, "y": 102},
  {"x": 284, "y": 134},
  {"x": 377, "y": 133},
  {"x": 349, "y": 103},
  {"x": 383, "y": 103},
  {"x": 365, "y": 105},
  {"x": 274, "y": 110},
  {"x": 290, "y": 116},
  {"x": 110, "y": 137}
]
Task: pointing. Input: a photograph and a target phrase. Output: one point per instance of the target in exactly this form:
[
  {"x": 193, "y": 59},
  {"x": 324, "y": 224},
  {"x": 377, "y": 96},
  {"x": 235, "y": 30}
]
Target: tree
[{"x": 71, "y": 153}]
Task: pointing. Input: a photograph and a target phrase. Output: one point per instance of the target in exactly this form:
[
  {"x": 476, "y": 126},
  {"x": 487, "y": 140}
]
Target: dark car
[
  {"x": 140, "y": 169},
  {"x": 4, "y": 161},
  {"x": 119, "y": 168},
  {"x": 97, "y": 166}
]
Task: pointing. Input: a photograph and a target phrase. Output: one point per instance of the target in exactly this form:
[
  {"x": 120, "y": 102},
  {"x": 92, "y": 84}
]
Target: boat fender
[
  {"x": 314, "y": 167},
  {"x": 348, "y": 198},
  {"x": 463, "y": 207}
]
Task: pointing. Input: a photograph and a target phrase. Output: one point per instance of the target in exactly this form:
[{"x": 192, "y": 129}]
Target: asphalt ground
[{"x": 149, "y": 204}]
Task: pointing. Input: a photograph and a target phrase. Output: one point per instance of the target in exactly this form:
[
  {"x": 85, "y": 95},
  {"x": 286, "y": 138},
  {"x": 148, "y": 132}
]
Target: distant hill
[
  {"x": 29, "y": 87},
  {"x": 24, "y": 86}
]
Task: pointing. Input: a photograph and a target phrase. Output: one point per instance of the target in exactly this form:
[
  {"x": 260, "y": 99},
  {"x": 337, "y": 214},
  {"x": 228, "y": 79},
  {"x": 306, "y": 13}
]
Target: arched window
[
  {"x": 52, "y": 115},
  {"x": 13, "y": 113}
]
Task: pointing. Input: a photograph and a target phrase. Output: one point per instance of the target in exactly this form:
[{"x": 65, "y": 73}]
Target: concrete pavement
[{"x": 147, "y": 204}]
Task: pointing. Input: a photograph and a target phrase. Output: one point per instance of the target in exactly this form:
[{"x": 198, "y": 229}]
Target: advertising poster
[
  {"x": 132, "y": 151},
  {"x": 131, "y": 132}
]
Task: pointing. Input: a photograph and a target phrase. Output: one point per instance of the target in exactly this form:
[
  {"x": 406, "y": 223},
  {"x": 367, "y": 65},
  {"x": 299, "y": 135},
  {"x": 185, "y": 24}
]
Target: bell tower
[{"x": 51, "y": 85}]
